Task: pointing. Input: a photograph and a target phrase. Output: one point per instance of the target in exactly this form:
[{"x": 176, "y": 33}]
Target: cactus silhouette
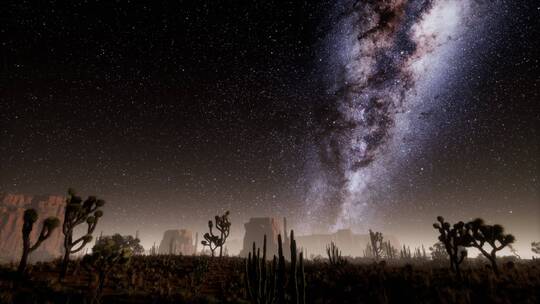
[
  {"x": 265, "y": 286},
  {"x": 493, "y": 235},
  {"x": 389, "y": 251},
  {"x": 78, "y": 212},
  {"x": 260, "y": 281},
  {"x": 455, "y": 238},
  {"x": 214, "y": 241},
  {"x": 30, "y": 217},
  {"x": 334, "y": 255}
]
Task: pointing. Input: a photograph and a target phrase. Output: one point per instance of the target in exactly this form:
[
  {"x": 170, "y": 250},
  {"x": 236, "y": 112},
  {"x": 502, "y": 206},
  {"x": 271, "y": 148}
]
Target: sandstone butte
[{"x": 12, "y": 207}]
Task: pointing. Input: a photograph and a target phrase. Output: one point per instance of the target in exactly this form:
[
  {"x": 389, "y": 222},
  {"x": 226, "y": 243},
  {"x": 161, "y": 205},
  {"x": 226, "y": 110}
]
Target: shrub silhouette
[
  {"x": 108, "y": 252},
  {"x": 49, "y": 225},
  {"x": 438, "y": 252},
  {"x": 535, "y": 247},
  {"x": 78, "y": 212}
]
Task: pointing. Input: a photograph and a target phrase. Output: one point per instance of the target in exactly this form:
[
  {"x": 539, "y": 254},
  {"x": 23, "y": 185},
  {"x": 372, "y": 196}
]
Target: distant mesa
[
  {"x": 350, "y": 244},
  {"x": 177, "y": 241},
  {"x": 256, "y": 229},
  {"x": 12, "y": 208}
]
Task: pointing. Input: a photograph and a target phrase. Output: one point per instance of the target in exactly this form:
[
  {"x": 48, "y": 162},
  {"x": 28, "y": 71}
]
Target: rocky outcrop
[
  {"x": 178, "y": 241},
  {"x": 349, "y": 243},
  {"x": 12, "y": 207},
  {"x": 256, "y": 229}
]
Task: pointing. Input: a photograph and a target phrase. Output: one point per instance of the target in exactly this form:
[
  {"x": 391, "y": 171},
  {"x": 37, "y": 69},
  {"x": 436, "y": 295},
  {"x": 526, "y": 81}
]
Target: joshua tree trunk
[
  {"x": 65, "y": 263},
  {"x": 493, "y": 260},
  {"x": 24, "y": 260}
]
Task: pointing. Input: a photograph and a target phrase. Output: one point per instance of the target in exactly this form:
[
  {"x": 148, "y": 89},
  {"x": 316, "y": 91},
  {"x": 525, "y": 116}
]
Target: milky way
[{"x": 386, "y": 62}]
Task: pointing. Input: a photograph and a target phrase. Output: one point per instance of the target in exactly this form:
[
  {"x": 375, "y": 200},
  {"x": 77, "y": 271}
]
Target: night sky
[{"x": 334, "y": 114}]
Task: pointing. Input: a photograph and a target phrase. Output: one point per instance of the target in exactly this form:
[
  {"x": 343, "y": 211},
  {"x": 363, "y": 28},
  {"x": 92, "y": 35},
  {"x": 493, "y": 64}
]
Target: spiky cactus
[
  {"x": 492, "y": 235},
  {"x": 455, "y": 238},
  {"x": 334, "y": 255},
  {"x": 78, "y": 212},
  {"x": 49, "y": 225},
  {"x": 389, "y": 251},
  {"x": 280, "y": 290},
  {"x": 260, "y": 281}
]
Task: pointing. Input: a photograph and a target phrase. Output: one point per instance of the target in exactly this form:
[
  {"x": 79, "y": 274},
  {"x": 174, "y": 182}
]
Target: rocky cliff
[
  {"x": 12, "y": 207},
  {"x": 178, "y": 241}
]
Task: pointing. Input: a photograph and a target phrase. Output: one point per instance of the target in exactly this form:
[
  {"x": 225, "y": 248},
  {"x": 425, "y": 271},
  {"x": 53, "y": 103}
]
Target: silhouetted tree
[
  {"x": 438, "y": 252},
  {"x": 126, "y": 241},
  {"x": 482, "y": 234},
  {"x": 78, "y": 212},
  {"x": 30, "y": 217},
  {"x": 108, "y": 252},
  {"x": 214, "y": 241},
  {"x": 376, "y": 239},
  {"x": 455, "y": 238}
]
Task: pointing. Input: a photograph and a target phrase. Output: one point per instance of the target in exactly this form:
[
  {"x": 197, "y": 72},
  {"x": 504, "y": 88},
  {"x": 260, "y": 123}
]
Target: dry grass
[{"x": 186, "y": 279}]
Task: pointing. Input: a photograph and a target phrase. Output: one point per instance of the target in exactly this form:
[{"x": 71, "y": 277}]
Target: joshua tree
[
  {"x": 108, "y": 252},
  {"x": 334, "y": 255},
  {"x": 78, "y": 212},
  {"x": 455, "y": 238},
  {"x": 223, "y": 225},
  {"x": 481, "y": 234},
  {"x": 376, "y": 239},
  {"x": 438, "y": 252},
  {"x": 30, "y": 217}
]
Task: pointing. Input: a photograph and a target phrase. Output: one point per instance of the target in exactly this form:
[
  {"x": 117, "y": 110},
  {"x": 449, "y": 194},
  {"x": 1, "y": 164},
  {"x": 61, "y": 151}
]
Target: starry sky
[{"x": 334, "y": 114}]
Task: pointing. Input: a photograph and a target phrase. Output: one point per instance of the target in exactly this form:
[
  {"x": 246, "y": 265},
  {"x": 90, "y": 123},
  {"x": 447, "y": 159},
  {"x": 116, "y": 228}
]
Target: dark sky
[{"x": 176, "y": 111}]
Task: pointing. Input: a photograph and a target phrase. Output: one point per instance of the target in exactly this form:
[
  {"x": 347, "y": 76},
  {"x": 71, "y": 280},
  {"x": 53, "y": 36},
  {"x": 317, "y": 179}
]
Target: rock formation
[
  {"x": 256, "y": 228},
  {"x": 12, "y": 207},
  {"x": 349, "y": 243},
  {"x": 178, "y": 241}
]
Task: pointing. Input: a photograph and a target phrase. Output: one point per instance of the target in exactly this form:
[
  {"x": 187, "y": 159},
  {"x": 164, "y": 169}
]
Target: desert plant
[
  {"x": 334, "y": 255},
  {"x": 405, "y": 253},
  {"x": 438, "y": 252},
  {"x": 455, "y": 238},
  {"x": 481, "y": 234},
  {"x": 376, "y": 239},
  {"x": 274, "y": 284},
  {"x": 78, "y": 212},
  {"x": 535, "y": 247},
  {"x": 213, "y": 241},
  {"x": 108, "y": 252},
  {"x": 259, "y": 280},
  {"x": 389, "y": 251},
  {"x": 30, "y": 217}
]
